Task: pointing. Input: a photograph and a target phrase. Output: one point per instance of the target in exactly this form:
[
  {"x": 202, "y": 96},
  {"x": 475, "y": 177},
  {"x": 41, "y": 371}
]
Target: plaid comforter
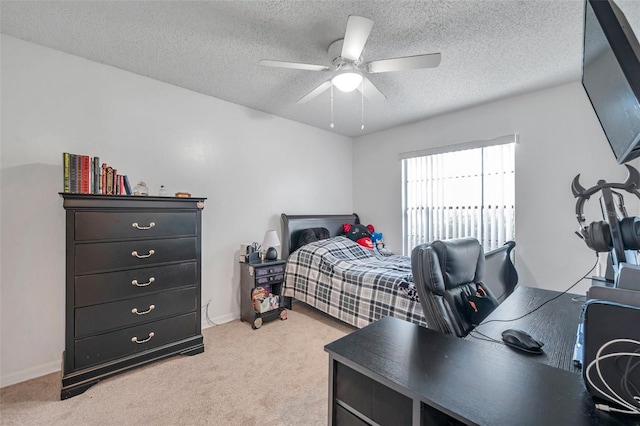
[{"x": 352, "y": 283}]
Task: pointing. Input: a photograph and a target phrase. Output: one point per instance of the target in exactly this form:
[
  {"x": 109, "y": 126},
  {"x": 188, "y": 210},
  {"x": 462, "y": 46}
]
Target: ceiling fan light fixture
[{"x": 347, "y": 81}]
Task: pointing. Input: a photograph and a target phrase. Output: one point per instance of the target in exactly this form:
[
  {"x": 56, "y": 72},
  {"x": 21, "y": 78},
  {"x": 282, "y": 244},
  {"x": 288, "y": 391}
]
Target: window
[{"x": 469, "y": 192}]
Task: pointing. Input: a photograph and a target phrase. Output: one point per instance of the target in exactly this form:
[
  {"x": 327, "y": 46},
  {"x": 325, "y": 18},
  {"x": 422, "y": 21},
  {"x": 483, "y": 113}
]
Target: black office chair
[
  {"x": 500, "y": 274},
  {"x": 449, "y": 277}
]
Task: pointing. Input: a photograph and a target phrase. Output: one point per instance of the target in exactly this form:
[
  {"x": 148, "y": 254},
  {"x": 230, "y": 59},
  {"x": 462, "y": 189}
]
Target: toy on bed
[
  {"x": 358, "y": 233},
  {"x": 378, "y": 242}
]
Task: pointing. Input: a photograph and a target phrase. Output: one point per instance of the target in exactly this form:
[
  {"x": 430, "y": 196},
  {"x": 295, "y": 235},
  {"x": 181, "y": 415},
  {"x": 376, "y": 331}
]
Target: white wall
[
  {"x": 250, "y": 165},
  {"x": 559, "y": 137},
  {"x": 52, "y": 102}
]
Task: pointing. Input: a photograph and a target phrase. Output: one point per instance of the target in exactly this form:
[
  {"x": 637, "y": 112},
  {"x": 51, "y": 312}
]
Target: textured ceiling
[{"x": 490, "y": 49}]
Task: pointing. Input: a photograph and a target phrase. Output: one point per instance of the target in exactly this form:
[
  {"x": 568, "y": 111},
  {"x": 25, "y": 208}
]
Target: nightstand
[{"x": 258, "y": 280}]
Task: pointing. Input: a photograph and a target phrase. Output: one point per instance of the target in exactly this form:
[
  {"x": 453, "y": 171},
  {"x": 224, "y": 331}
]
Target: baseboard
[
  {"x": 53, "y": 366},
  {"x": 219, "y": 319},
  {"x": 30, "y": 373}
]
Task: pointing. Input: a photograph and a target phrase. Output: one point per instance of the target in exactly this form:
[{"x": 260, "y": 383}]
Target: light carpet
[{"x": 275, "y": 375}]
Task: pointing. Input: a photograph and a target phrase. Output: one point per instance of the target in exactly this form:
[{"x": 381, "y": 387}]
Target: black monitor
[{"x": 611, "y": 76}]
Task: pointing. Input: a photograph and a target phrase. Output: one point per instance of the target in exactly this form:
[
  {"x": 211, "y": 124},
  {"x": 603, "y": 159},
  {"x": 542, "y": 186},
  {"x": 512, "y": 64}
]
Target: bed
[
  {"x": 357, "y": 285},
  {"x": 343, "y": 279}
]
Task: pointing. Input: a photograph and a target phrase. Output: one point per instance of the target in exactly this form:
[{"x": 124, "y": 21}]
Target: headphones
[
  {"x": 597, "y": 235},
  {"x": 611, "y": 234}
]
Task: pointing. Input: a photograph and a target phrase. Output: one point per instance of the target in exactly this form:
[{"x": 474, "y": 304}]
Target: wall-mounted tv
[{"x": 611, "y": 76}]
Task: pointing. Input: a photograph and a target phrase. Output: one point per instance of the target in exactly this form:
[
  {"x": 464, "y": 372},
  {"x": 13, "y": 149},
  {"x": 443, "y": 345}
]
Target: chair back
[
  {"x": 446, "y": 273},
  {"x": 500, "y": 274}
]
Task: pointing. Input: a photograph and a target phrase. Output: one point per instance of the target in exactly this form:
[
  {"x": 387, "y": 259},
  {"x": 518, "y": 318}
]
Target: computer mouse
[{"x": 522, "y": 340}]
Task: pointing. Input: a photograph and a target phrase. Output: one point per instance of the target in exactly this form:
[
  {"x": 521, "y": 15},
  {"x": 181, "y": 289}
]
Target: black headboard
[{"x": 292, "y": 226}]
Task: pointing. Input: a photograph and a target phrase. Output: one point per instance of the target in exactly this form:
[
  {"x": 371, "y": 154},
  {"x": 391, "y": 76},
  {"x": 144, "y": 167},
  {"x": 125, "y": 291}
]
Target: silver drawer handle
[
  {"x": 135, "y": 310},
  {"x": 134, "y": 339},
  {"x": 135, "y": 225},
  {"x": 137, "y": 284},
  {"x": 142, "y": 256}
]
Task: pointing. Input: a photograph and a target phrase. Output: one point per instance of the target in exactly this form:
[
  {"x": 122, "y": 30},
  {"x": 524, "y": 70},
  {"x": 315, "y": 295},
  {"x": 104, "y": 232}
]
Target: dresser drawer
[
  {"x": 122, "y": 225},
  {"x": 106, "y": 347},
  {"x": 123, "y": 313},
  {"x": 110, "y": 286},
  {"x": 96, "y": 257}
]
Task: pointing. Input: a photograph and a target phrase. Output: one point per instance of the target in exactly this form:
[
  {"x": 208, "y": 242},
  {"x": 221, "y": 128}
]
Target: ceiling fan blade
[
  {"x": 370, "y": 91},
  {"x": 406, "y": 63},
  {"x": 315, "y": 92},
  {"x": 293, "y": 65},
  {"x": 355, "y": 37}
]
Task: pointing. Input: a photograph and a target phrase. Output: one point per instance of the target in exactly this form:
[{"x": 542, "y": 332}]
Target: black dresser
[{"x": 132, "y": 284}]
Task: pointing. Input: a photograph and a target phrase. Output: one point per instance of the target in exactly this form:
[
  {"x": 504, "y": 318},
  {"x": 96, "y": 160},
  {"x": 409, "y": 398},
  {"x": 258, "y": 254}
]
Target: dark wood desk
[
  {"x": 395, "y": 372},
  {"x": 555, "y": 324}
]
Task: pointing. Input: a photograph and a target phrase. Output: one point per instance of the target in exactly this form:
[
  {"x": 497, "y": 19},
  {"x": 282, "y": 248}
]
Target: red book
[{"x": 85, "y": 174}]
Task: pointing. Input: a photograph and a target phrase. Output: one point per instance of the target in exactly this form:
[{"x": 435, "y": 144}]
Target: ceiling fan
[{"x": 348, "y": 68}]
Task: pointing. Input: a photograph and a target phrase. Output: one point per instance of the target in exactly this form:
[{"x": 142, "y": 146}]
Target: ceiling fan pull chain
[
  {"x": 362, "y": 105},
  {"x": 331, "y": 125}
]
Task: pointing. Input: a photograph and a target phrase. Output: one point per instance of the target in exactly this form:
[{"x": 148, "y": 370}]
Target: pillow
[{"x": 310, "y": 235}]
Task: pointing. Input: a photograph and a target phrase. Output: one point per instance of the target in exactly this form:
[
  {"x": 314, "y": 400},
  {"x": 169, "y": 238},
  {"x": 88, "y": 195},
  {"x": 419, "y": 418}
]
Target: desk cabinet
[
  {"x": 393, "y": 372},
  {"x": 359, "y": 397},
  {"x": 132, "y": 284}
]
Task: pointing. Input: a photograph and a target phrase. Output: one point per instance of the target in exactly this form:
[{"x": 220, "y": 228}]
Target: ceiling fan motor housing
[{"x": 335, "y": 52}]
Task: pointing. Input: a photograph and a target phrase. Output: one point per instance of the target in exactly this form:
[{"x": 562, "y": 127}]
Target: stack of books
[{"x": 84, "y": 174}]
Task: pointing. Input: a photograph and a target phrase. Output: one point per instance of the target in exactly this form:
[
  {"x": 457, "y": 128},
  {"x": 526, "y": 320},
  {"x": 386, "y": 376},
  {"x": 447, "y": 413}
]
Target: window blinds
[{"x": 469, "y": 192}]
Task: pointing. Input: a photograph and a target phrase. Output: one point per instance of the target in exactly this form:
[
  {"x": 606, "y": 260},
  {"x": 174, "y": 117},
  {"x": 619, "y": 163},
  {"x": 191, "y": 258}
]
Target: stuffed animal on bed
[
  {"x": 378, "y": 241},
  {"x": 358, "y": 233}
]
